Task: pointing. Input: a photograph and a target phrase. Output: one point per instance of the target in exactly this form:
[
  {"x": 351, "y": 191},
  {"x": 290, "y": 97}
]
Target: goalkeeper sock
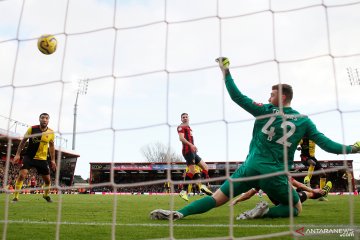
[
  {"x": 18, "y": 186},
  {"x": 280, "y": 211},
  {"x": 322, "y": 182},
  {"x": 200, "y": 206},
  {"x": 46, "y": 189}
]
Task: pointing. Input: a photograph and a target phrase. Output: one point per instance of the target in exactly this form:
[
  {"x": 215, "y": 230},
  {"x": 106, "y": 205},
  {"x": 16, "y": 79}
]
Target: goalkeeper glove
[
  {"x": 356, "y": 147},
  {"x": 223, "y": 63}
]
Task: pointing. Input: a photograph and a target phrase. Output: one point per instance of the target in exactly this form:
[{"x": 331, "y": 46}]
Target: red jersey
[
  {"x": 186, "y": 130},
  {"x": 33, "y": 182}
]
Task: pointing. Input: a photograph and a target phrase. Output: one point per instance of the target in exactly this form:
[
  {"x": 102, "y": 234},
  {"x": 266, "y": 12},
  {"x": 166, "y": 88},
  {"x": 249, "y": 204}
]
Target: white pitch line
[{"x": 181, "y": 225}]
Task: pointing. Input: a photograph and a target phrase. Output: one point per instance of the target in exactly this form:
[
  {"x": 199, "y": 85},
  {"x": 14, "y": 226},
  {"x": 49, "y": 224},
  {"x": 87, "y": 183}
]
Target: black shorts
[
  {"x": 41, "y": 166},
  {"x": 192, "y": 158},
  {"x": 304, "y": 160}
]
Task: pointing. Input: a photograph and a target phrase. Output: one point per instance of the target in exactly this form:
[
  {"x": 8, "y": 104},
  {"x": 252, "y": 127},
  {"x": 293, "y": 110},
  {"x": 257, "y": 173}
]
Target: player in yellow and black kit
[
  {"x": 194, "y": 187},
  {"x": 307, "y": 148},
  {"x": 41, "y": 139}
]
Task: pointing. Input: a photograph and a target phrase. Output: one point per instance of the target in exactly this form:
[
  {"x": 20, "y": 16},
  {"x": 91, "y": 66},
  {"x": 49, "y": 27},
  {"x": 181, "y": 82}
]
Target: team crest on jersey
[
  {"x": 179, "y": 128},
  {"x": 258, "y": 104},
  {"x": 36, "y": 140}
]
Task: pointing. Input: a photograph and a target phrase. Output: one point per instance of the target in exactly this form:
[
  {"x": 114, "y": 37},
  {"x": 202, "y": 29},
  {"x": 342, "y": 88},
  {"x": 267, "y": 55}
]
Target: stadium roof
[{"x": 15, "y": 140}]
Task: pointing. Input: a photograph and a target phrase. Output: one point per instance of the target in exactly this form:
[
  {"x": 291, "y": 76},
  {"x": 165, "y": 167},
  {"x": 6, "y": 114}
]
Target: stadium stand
[
  {"x": 67, "y": 166},
  {"x": 128, "y": 173}
]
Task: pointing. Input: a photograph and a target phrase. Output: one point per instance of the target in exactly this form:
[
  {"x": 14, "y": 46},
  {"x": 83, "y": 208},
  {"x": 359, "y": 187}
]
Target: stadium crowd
[
  {"x": 34, "y": 181},
  {"x": 158, "y": 188}
]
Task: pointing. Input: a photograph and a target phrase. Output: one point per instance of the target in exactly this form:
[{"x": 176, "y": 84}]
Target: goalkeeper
[{"x": 277, "y": 129}]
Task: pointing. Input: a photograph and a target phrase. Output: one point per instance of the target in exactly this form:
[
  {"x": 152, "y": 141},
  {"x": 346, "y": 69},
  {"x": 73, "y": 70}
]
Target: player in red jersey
[
  {"x": 33, "y": 183},
  {"x": 189, "y": 151}
]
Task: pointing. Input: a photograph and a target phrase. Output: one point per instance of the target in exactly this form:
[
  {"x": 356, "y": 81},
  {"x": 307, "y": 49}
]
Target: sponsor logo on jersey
[
  {"x": 258, "y": 104},
  {"x": 36, "y": 139}
]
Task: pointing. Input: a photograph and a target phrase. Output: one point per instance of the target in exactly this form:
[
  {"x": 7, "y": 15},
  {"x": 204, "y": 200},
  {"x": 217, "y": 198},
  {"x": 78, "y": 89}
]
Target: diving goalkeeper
[{"x": 276, "y": 133}]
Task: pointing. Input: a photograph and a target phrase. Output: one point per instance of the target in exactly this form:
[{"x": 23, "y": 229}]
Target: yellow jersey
[
  {"x": 197, "y": 169},
  {"x": 38, "y": 142},
  {"x": 307, "y": 147}
]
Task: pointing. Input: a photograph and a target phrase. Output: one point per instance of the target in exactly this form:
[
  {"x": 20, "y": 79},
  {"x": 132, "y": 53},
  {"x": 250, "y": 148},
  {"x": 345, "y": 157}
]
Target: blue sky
[{"x": 153, "y": 61}]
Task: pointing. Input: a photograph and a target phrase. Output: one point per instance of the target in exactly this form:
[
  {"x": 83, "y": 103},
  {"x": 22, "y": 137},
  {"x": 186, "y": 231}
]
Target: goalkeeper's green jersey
[{"x": 275, "y": 133}]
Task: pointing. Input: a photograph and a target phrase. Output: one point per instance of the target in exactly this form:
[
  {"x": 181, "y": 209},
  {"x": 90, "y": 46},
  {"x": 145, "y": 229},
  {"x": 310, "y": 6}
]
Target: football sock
[
  {"x": 18, "y": 186},
  {"x": 200, "y": 206},
  {"x": 310, "y": 171},
  {"x": 198, "y": 185},
  {"x": 322, "y": 182},
  {"x": 189, "y": 189},
  {"x": 187, "y": 177},
  {"x": 46, "y": 191},
  {"x": 307, "y": 180},
  {"x": 280, "y": 211}
]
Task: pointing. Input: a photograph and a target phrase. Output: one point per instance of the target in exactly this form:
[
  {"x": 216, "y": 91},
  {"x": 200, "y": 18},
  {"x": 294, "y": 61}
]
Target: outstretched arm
[
  {"x": 329, "y": 145},
  {"x": 243, "y": 197},
  {"x": 243, "y": 101},
  {"x": 303, "y": 187}
]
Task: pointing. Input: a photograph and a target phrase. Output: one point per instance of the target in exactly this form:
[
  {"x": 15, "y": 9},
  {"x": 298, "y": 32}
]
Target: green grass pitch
[{"x": 91, "y": 217}]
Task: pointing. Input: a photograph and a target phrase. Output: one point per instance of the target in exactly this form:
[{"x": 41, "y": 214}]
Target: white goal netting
[{"x": 146, "y": 62}]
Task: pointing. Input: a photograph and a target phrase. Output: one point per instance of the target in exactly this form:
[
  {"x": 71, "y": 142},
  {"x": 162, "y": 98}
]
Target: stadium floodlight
[
  {"x": 353, "y": 75},
  {"x": 81, "y": 90}
]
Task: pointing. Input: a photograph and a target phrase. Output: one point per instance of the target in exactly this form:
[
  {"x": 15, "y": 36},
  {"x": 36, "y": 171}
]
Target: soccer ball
[{"x": 47, "y": 44}]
